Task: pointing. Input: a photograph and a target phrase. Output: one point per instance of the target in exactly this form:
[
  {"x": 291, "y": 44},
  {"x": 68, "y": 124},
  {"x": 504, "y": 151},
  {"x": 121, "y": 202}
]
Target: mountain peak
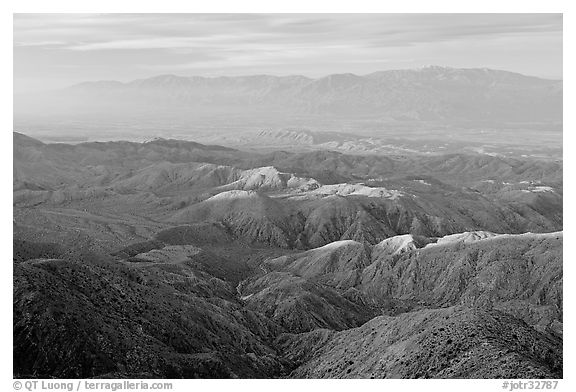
[{"x": 235, "y": 195}]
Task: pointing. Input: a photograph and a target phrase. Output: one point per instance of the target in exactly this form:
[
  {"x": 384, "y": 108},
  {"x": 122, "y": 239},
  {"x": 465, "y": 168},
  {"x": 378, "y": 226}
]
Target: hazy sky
[{"x": 56, "y": 50}]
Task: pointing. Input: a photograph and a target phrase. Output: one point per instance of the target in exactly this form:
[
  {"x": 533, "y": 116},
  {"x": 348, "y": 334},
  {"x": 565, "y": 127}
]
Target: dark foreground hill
[
  {"x": 90, "y": 317},
  {"x": 442, "y": 343},
  {"x": 483, "y": 309}
]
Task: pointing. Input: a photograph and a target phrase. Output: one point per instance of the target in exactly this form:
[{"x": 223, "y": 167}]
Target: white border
[{"x": 304, "y": 6}]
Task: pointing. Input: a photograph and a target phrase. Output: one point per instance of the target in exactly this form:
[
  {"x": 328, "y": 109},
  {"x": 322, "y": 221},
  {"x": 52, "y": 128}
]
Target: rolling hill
[{"x": 175, "y": 259}]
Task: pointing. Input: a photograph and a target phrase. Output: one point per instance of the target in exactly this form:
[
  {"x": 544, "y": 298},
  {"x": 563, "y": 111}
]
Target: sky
[{"x": 58, "y": 50}]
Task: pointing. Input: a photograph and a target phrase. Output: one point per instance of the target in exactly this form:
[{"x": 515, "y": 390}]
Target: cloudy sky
[{"x": 57, "y": 50}]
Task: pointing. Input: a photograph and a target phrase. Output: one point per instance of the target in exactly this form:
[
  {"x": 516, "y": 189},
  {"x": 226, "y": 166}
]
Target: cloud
[
  {"x": 166, "y": 31},
  {"x": 108, "y": 46},
  {"x": 176, "y": 42},
  {"x": 40, "y": 43}
]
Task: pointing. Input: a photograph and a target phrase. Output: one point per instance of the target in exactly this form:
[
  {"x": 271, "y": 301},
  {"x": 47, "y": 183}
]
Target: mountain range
[{"x": 427, "y": 94}]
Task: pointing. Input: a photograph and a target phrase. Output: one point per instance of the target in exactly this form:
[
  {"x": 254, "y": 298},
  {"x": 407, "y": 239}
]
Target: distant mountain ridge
[
  {"x": 422, "y": 74},
  {"x": 429, "y": 93}
]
